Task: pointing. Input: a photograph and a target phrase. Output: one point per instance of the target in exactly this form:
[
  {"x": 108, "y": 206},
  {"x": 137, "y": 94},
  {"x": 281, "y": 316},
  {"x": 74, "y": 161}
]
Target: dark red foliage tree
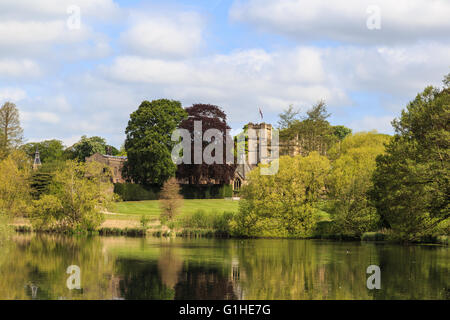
[{"x": 212, "y": 117}]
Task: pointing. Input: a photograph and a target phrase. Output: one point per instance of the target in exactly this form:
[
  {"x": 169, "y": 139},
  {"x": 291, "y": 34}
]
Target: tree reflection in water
[{"x": 34, "y": 267}]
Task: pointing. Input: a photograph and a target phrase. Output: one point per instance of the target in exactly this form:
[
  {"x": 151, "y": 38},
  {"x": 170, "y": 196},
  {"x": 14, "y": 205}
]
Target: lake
[{"x": 35, "y": 267}]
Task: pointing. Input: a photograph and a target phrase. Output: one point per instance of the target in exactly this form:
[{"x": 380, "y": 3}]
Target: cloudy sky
[{"x": 72, "y": 77}]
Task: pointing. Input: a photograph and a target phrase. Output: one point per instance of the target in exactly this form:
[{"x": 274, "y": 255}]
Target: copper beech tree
[{"x": 211, "y": 117}]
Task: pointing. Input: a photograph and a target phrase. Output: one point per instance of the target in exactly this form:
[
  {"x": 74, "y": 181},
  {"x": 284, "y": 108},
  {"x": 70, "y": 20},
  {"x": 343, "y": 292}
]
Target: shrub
[{"x": 200, "y": 220}]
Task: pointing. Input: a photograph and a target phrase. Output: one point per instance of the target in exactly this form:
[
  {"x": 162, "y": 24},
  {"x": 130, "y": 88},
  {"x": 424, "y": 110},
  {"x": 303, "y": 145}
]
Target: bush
[{"x": 219, "y": 222}]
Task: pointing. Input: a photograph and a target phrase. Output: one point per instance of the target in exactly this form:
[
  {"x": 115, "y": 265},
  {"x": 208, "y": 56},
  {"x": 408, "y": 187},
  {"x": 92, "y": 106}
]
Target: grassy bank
[
  {"x": 135, "y": 209},
  {"x": 204, "y": 218}
]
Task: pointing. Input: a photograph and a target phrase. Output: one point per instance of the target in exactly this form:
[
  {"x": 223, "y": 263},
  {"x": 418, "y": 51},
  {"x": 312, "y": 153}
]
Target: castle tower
[
  {"x": 259, "y": 142},
  {"x": 37, "y": 160}
]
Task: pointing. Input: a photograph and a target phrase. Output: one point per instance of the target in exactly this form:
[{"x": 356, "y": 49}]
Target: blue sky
[{"x": 366, "y": 59}]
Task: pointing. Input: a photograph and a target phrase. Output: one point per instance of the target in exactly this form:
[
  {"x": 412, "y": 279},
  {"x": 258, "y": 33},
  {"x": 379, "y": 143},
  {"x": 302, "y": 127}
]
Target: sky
[{"x": 80, "y": 67}]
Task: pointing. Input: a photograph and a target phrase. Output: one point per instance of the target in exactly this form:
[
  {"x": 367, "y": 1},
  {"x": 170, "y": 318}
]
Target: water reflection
[{"x": 34, "y": 267}]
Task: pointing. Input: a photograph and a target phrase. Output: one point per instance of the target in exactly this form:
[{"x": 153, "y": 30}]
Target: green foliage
[
  {"x": 283, "y": 205},
  {"x": 200, "y": 219},
  {"x": 49, "y": 150},
  {"x": 214, "y": 191},
  {"x": 341, "y": 132},
  {"x": 350, "y": 180},
  {"x": 77, "y": 198},
  {"x": 86, "y": 147},
  {"x": 148, "y": 143},
  {"x": 411, "y": 181},
  {"x": 314, "y": 133},
  {"x": 15, "y": 190},
  {"x": 136, "y": 192},
  {"x": 287, "y": 118},
  {"x": 41, "y": 179}
]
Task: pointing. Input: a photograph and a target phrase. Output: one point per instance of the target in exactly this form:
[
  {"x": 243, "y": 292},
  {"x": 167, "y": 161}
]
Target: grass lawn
[{"x": 135, "y": 209}]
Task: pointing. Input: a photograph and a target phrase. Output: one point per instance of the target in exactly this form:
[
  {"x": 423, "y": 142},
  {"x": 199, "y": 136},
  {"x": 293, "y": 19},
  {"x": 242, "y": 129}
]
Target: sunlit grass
[{"x": 135, "y": 209}]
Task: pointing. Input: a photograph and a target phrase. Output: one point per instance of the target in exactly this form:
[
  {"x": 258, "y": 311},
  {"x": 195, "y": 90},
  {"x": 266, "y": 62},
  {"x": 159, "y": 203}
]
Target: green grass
[{"x": 135, "y": 209}]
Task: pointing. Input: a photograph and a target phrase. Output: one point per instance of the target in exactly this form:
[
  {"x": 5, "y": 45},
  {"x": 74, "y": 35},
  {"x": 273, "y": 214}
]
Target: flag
[{"x": 261, "y": 114}]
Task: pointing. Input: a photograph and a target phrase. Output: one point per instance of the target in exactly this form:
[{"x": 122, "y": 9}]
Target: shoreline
[{"x": 210, "y": 234}]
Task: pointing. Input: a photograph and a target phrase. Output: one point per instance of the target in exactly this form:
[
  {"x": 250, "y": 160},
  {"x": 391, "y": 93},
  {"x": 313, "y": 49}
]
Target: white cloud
[
  {"x": 304, "y": 20},
  {"x": 177, "y": 35},
  {"x": 18, "y": 68},
  {"x": 39, "y": 30},
  {"x": 381, "y": 124},
  {"x": 43, "y": 117},
  {"x": 11, "y": 94},
  {"x": 245, "y": 79},
  {"x": 70, "y": 141},
  {"x": 398, "y": 71},
  {"x": 238, "y": 81},
  {"x": 50, "y": 9}
]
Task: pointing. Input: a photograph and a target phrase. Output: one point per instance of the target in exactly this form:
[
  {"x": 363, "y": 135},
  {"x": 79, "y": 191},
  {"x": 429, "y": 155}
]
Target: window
[{"x": 237, "y": 185}]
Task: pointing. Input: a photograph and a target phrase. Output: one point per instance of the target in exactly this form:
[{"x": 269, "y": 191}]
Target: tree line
[
  {"x": 340, "y": 183},
  {"x": 366, "y": 182}
]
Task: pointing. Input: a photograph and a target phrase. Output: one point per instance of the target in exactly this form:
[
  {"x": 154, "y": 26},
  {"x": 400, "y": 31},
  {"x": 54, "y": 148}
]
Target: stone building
[{"x": 114, "y": 162}]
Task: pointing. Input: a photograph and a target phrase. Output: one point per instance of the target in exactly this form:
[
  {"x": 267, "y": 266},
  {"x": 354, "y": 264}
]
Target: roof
[
  {"x": 115, "y": 157},
  {"x": 107, "y": 156}
]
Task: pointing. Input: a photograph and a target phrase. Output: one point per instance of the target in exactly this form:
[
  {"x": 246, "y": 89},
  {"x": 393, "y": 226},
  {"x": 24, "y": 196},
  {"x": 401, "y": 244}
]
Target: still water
[{"x": 35, "y": 266}]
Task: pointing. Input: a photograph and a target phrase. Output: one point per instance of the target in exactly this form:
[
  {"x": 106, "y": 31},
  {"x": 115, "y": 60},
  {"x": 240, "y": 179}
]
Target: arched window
[{"x": 237, "y": 184}]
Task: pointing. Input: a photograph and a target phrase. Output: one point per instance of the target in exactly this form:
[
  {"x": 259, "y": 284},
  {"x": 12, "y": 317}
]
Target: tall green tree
[
  {"x": 86, "y": 147},
  {"x": 411, "y": 181},
  {"x": 148, "y": 141},
  {"x": 287, "y": 118},
  {"x": 313, "y": 133},
  {"x": 11, "y": 133},
  {"x": 340, "y": 132}
]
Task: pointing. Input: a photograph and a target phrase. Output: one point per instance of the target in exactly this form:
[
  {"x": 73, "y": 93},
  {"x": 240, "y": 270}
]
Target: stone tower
[
  {"x": 259, "y": 142},
  {"x": 37, "y": 160}
]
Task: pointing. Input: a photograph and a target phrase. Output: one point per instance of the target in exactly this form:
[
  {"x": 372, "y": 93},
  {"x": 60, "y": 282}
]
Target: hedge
[
  {"x": 136, "y": 192},
  {"x": 206, "y": 191}
]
